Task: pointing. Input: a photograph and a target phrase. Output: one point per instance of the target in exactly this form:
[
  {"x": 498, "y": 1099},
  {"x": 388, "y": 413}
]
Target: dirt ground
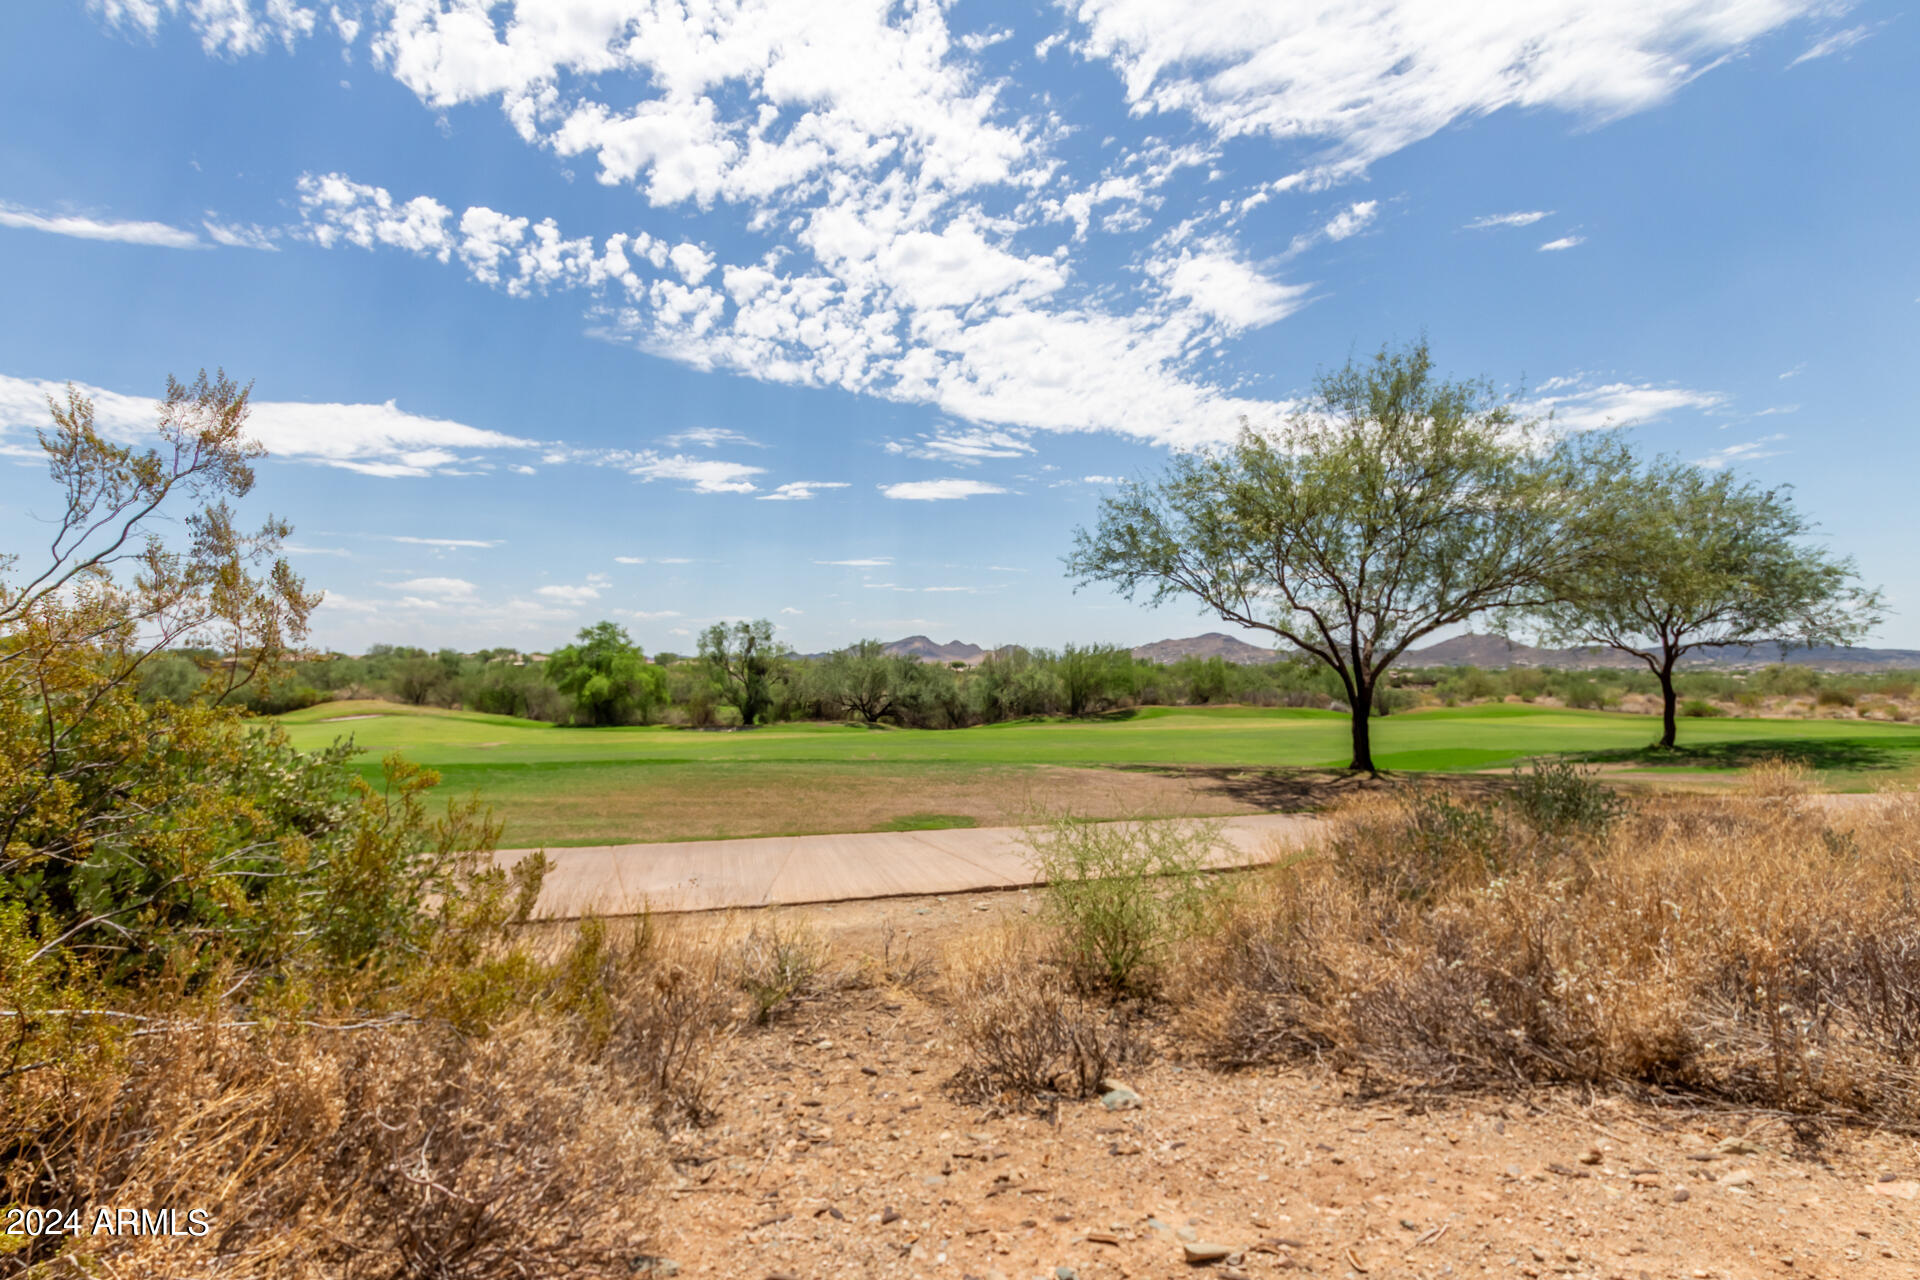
[{"x": 840, "y": 1152}]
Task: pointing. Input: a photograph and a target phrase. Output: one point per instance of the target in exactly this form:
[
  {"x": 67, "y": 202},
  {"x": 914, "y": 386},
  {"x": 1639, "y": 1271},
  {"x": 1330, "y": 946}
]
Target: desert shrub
[
  {"x": 776, "y": 962},
  {"x": 1700, "y": 709},
  {"x": 386, "y": 1148},
  {"x": 1582, "y": 692},
  {"x": 1122, "y": 893},
  {"x": 1747, "y": 700},
  {"x": 1558, "y": 798},
  {"x": 1411, "y": 845},
  {"x": 1835, "y": 697},
  {"x": 1745, "y": 952},
  {"x": 1028, "y": 1028}
]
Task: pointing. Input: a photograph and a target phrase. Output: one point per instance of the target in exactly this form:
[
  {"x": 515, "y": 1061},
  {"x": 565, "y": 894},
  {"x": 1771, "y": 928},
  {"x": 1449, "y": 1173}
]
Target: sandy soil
[{"x": 840, "y": 1152}]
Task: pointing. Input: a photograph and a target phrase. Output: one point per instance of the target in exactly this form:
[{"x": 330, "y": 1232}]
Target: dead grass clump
[
  {"x": 402, "y": 1150},
  {"x": 777, "y": 961},
  {"x": 1027, "y": 1029},
  {"x": 511, "y": 1125},
  {"x": 1738, "y": 948}
]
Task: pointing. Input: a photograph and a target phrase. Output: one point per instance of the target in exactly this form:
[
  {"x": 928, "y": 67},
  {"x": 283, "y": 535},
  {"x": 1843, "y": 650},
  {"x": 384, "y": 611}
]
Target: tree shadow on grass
[
  {"x": 1849, "y": 754},
  {"x": 1307, "y": 790}
]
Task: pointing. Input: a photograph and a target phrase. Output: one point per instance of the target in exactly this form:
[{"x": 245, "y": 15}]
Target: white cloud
[
  {"x": 649, "y": 615},
  {"x": 569, "y": 594},
  {"x": 702, "y": 475},
  {"x": 1352, "y": 220},
  {"x": 1751, "y": 451},
  {"x": 1367, "y": 79},
  {"x": 800, "y": 490},
  {"x": 226, "y": 27},
  {"x": 1222, "y": 286},
  {"x": 1564, "y": 242},
  {"x": 938, "y": 490},
  {"x": 239, "y": 235},
  {"x": 1525, "y": 218},
  {"x": 791, "y": 611},
  {"x": 442, "y": 542},
  {"x": 875, "y": 562},
  {"x": 908, "y": 220},
  {"x": 156, "y": 234},
  {"x": 1837, "y": 42},
  {"x": 1100, "y": 479},
  {"x": 963, "y": 446},
  {"x": 1577, "y": 406},
  {"x": 708, "y": 438},
  {"x": 442, "y": 588},
  {"x": 373, "y": 439},
  {"x": 629, "y": 559},
  {"x": 673, "y": 560},
  {"x": 298, "y": 550}
]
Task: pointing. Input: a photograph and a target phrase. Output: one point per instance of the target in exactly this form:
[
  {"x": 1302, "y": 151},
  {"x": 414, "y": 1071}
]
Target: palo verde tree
[
  {"x": 1392, "y": 504},
  {"x": 1693, "y": 559},
  {"x": 741, "y": 661},
  {"x": 173, "y": 832},
  {"x": 865, "y": 680},
  {"x": 607, "y": 676}
]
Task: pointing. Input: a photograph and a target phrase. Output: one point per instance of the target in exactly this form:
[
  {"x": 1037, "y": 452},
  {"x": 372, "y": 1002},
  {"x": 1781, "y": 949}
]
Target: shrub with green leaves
[
  {"x": 1122, "y": 893},
  {"x": 1558, "y": 798}
]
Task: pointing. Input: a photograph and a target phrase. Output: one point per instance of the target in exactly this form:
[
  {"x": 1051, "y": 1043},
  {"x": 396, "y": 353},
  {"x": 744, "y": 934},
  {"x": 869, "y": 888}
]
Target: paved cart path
[{"x": 704, "y": 875}]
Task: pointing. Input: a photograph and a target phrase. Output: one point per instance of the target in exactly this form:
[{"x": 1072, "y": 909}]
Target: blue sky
[{"x": 846, "y": 315}]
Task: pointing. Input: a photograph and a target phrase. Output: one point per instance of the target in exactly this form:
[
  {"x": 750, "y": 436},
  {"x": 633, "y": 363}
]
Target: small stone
[
  {"x": 1066, "y": 1273},
  {"x": 887, "y": 1215},
  {"x": 1206, "y": 1251},
  {"x": 653, "y": 1265},
  {"x": 1591, "y": 1156},
  {"x": 1899, "y": 1190},
  {"x": 1681, "y": 1195},
  {"x": 1120, "y": 1099},
  {"x": 1738, "y": 1178},
  {"x": 1187, "y": 1234},
  {"x": 1409, "y": 1224},
  {"x": 1736, "y": 1147}
]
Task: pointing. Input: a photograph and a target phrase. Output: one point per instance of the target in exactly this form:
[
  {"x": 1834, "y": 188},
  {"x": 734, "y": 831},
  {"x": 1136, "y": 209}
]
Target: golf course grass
[{"x": 559, "y": 785}]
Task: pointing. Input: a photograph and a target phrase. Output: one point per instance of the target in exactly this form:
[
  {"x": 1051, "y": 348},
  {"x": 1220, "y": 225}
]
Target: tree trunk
[
  {"x": 1669, "y": 725},
  {"x": 1362, "y": 743}
]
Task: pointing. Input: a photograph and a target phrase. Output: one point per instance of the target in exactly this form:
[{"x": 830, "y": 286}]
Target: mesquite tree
[
  {"x": 1695, "y": 559},
  {"x": 1390, "y": 505}
]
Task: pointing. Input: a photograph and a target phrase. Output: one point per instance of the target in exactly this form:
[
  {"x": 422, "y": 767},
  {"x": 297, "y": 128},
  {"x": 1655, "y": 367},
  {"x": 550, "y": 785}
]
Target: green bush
[
  {"x": 1122, "y": 893},
  {"x": 1556, "y": 797},
  {"x": 1700, "y": 709},
  {"x": 1835, "y": 698}
]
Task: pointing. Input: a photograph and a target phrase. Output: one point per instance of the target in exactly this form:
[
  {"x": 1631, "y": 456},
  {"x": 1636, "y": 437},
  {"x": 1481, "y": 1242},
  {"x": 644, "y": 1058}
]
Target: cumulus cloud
[
  {"x": 373, "y": 439},
  {"x": 158, "y": 235},
  {"x": 938, "y": 490},
  {"x": 1220, "y": 284},
  {"x": 701, "y": 475},
  {"x": 907, "y": 220}
]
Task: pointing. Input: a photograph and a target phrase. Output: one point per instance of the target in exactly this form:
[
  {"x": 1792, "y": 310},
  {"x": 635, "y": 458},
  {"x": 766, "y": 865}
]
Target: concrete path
[{"x": 705, "y": 875}]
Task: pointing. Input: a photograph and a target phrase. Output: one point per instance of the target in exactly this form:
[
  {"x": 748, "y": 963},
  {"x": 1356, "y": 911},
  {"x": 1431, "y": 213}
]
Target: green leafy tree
[
  {"x": 1697, "y": 560},
  {"x": 607, "y": 676},
  {"x": 1393, "y": 504},
  {"x": 865, "y": 680},
  {"x": 1094, "y": 676},
  {"x": 741, "y": 662}
]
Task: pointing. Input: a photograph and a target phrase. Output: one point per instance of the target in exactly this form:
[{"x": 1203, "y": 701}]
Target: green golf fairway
[{"x": 1450, "y": 739}]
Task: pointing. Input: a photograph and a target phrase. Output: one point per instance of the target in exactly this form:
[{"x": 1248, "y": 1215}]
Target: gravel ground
[{"x": 840, "y": 1152}]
